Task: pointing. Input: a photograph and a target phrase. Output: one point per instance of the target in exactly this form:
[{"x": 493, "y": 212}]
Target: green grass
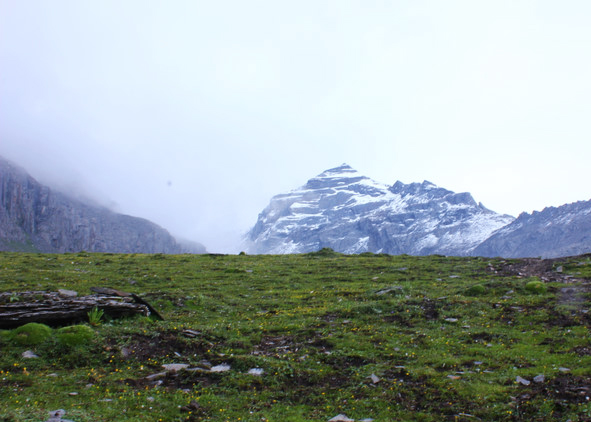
[{"x": 319, "y": 326}]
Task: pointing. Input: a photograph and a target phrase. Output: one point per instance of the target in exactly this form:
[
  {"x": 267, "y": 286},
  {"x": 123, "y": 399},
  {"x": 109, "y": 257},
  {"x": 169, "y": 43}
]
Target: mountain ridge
[
  {"x": 33, "y": 217},
  {"x": 551, "y": 233},
  {"x": 351, "y": 213}
]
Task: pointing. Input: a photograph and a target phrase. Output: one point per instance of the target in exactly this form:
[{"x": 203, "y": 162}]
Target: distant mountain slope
[
  {"x": 348, "y": 212},
  {"x": 35, "y": 218},
  {"x": 550, "y": 233}
]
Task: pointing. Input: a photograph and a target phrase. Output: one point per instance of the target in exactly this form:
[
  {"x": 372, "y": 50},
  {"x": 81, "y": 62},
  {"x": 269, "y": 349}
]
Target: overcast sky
[{"x": 193, "y": 114}]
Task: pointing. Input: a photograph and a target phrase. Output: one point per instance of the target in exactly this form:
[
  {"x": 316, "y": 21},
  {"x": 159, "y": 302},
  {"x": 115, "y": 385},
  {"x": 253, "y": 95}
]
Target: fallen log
[{"x": 55, "y": 308}]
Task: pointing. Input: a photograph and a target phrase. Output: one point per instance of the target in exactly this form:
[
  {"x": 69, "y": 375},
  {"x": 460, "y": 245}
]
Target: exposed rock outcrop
[{"x": 34, "y": 217}]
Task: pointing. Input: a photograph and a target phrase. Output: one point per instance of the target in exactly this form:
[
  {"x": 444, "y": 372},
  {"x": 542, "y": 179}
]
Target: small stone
[
  {"x": 256, "y": 371},
  {"x": 561, "y": 369},
  {"x": 57, "y": 413},
  {"x": 191, "y": 333},
  {"x": 56, "y": 416},
  {"x": 559, "y": 269},
  {"x": 67, "y": 293},
  {"x": 451, "y": 319},
  {"x": 539, "y": 378},
  {"x": 155, "y": 376},
  {"x": 174, "y": 367},
  {"x": 374, "y": 378},
  {"x": 341, "y": 418},
  {"x": 477, "y": 362},
  {"x": 395, "y": 289},
  {"x": 29, "y": 354},
  {"x": 73, "y": 393},
  {"x": 522, "y": 381},
  {"x": 220, "y": 368}
]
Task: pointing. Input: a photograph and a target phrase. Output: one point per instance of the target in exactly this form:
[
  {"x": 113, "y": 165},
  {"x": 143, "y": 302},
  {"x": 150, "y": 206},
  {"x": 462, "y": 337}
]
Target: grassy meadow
[{"x": 306, "y": 338}]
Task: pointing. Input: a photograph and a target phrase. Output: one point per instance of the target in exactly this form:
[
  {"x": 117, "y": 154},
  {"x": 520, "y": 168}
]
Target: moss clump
[
  {"x": 477, "y": 290},
  {"x": 30, "y": 334},
  {"x": 75, "y": 335},
  {"x": 536, "y": 287},
  {"x": 5, "y": 335}
]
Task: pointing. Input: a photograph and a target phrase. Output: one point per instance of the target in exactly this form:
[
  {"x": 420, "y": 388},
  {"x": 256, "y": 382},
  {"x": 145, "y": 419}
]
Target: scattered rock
[
  {"x": 67, "y": 293},
  {"x": 393, "y": 289},
  {"x": 256, "y": 371},
  {"x": 562, "y": 369},
  {"x": 220, "y": 368},
  {"x": 522, "y": 381},
  {"x": 374, "y": 378},
  {"x": 559, "y": 269},
  {"x": 451, "y": 319},
  {"x": 539, "y": 378},
  {"x": 156, "y": 376},
  {"x": 174, "y": 367},
  {"x": 56, "y": 416},
  {"x": 191, "y": 333},
  {"x": 341, "y": 418},
  {"x": 29, "y": 354}
]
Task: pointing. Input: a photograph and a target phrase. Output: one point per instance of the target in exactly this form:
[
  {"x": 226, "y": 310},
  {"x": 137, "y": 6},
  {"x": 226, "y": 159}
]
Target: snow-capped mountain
[
  {"x": 350, "y": 213},
  {"x": 550, "y": 233}
]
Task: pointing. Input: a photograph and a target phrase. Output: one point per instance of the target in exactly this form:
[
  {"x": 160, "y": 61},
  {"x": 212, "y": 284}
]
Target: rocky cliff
[
  {"x": 33, "y": 217},
  {"x": 550, "y": 233},
  {"x": 348, "y": 212}
]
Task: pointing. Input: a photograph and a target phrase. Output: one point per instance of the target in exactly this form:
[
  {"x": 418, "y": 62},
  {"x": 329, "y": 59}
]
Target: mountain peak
[
  {"x": 343, "y": 169},
  {"x": 351, "y": 213}
]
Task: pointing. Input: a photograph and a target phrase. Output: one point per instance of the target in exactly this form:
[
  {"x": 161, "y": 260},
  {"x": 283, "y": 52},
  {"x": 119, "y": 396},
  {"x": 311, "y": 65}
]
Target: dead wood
[{"x": 51, "y": 308}]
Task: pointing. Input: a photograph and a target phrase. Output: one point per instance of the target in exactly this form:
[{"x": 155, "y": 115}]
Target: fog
[{"x": 193, "y": 114}]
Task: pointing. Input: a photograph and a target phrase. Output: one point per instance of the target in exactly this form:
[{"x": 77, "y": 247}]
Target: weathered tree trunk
[{"x": 53, "y": 308}]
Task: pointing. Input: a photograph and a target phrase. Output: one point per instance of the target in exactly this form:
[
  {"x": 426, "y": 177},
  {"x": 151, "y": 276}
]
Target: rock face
[
  {"x": 550, "y": 233},
  {"x": 350, "y": 213},
  {"x": 35, "y": 218}
]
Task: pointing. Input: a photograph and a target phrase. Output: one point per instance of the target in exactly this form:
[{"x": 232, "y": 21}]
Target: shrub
[
  {"x": 75, "y": 335},
  {"x": 31, "y": 334},
  {"x": 535, "y": 287}
]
